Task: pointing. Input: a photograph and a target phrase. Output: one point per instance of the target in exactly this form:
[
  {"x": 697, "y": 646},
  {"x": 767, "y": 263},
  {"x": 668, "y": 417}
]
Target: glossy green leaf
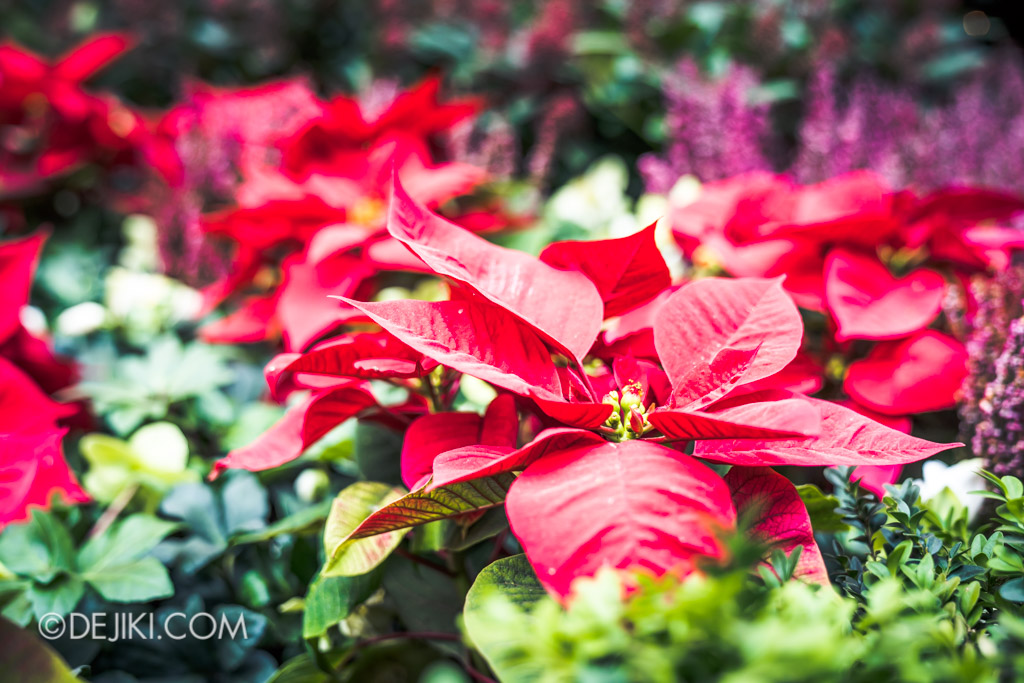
[
  {"x": 822, "y": 510},
  {"x": 497, "y": 606},
  {"x": 332, "y": 598}
]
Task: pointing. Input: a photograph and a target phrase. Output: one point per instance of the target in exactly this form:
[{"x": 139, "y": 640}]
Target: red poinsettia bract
[{"x": 32, "y": 466}]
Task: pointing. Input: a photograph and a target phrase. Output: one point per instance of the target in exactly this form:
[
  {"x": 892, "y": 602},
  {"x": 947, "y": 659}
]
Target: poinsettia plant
[{"x": 603, "y": 455}]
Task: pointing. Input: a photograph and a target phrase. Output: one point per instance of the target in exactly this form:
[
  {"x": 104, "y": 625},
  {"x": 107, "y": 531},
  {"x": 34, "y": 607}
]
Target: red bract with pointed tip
[
  {"x": 564, "y": 307},
  {"x": 628, "y": 272},
  {"x": 345, "y": 125},
  {"x": 316, "y": 218},
  {"x": 301, "y": 426}
]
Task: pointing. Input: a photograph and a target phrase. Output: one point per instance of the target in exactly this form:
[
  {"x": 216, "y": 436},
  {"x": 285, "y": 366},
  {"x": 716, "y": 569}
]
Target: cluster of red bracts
[
  {"x": 878, "y": 263},
  {"x": 596, "y": 423},
  {"x": 309, "y": 212},
  {"x": 50, "y": 124}
]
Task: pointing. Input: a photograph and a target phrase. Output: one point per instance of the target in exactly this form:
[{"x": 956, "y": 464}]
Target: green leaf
[
  {"x": 26, "y": 659},
  {"x": 56, "y": 538},
  {"x": 898, "y": 556},
  {"x": 1013, "y": 590},
  {"x": 378, "y": 452},
  {"x": 513, "y": 578},
  {"x": 306, "y": 520},
  {"x": 139, "y": 581},
  {"x": 822, "y": 510},
  {"x": 304, "y": 669},
  {"x": 59, "y": 596},
  {"x": 348, "y": 555},
  {"x": 422, "y": 506},
  {"x": 426, "y": 599},
  {"x": 128, "y": 540},
  {"x": 22, "y": 551},
  {"x": 497, "y": 613},
  {"x": 332, "y": 598},
  {"x": 156, "y": 457},
  {"x": 245, "y": 503},
  {"x": 196, "y": 505}
]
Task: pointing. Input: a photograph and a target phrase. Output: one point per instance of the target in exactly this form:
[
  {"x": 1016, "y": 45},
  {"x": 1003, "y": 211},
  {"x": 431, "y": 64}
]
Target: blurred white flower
[
  {"x": 81, "y": 319},
  {"x": 960, "y": 479},
  {"x": 147, "y": 302},
  {"x": 596, "y": 201},
  {"x": 686, "y": 191},
  {"x": 141, "y": 251},
  {"x": 311, "y": 485},
  {"x": 33, "y": 320}
]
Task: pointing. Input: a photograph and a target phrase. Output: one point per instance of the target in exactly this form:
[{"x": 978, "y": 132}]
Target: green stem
[{"x": 457, "y": 563}]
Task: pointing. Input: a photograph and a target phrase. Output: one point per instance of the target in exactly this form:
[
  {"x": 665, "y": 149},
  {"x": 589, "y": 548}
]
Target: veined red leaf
[
  {"x": 779, "y": 517},
  {"x": 631, "y": 505},
  {"x": 365, "y": 355},
  {"x": 422, "y": 506},
  {"x": 300, "y": 427},
  {"x": 868, "y": 302},
  {"x": 306, "y": 309},
  {"x": 745, "y": 417},
  {"x": 628, "y": 271},
  {"x": 586, "y": 415},
  {"x": 474, "y": 337},
  {"x": 564, "y": 307},
  {"x": 847, "y": 438},
  {"x": 351, "y": 557},
  {"x": 713, "y": 316},
  {"x": 476, "y": 461}
]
